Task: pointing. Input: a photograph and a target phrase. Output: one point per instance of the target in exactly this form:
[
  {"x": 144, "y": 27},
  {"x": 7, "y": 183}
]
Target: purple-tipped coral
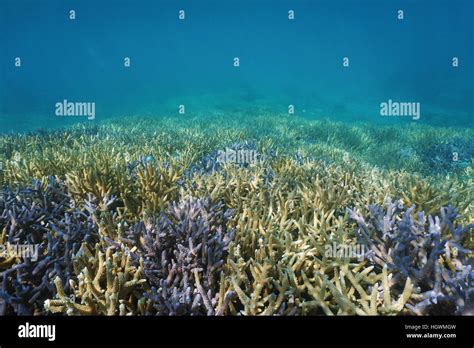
[
  {"x": 184, "y": 251},
  {"x": 42, "y": 219},
  {"x": 429, "y": 254}
]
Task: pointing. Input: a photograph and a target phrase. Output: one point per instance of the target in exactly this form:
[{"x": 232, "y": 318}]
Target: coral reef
[
  {"x": 439, "y": 267},
  {"x": 40, "y": 216},
  {"x": 450, "y": 155},
  {"x": 184, "y": 250},
  {"x": 107, "y": 284},
  {"x": 142, "y": 217}
]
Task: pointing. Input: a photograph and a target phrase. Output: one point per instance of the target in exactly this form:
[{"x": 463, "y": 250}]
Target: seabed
[{"x": 146, "y": 216}]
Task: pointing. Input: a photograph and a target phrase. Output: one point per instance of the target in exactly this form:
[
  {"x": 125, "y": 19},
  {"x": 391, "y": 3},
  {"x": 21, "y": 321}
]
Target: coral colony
[{"x": 127, "y": 220}]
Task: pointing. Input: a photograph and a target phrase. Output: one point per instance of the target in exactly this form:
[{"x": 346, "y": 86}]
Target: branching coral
[
  {"x": 440, "y": 268},
  {"x": 289, "y": 272},
  {"x": 184, "y": 252},
  {"x": 123, "y": 191},
  {"x": 107, "y": 284},
  {"x": 39, "y": 217}
]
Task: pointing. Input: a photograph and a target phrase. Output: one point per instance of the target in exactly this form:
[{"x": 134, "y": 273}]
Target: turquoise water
[
  {"x": 190, "y": 62},
  {"x": 206, "y": 178}
]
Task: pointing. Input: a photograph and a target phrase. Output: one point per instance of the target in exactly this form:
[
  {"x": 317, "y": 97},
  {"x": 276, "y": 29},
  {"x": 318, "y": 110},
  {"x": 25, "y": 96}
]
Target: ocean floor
[{"x": 238, "y": 214}]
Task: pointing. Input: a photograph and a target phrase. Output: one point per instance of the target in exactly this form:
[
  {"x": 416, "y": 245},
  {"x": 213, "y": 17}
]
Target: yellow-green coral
[{"x": 107, "y": 284}]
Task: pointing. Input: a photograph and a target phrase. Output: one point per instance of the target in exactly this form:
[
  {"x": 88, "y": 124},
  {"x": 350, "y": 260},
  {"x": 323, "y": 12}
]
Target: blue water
[{"x": 190, "y": 61}]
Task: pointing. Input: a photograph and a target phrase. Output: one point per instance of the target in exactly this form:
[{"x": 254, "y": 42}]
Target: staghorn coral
[
  {"x": 107, "y": 284},
  {"x": 120, "y": 184},
  {"x": 184, "y": 250},
  {"x": 289, "y": 273},
  {"x": 347, "y": 293},
  {"x": 39, "y": 216},
  {"x": 440, "y": 268}
]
